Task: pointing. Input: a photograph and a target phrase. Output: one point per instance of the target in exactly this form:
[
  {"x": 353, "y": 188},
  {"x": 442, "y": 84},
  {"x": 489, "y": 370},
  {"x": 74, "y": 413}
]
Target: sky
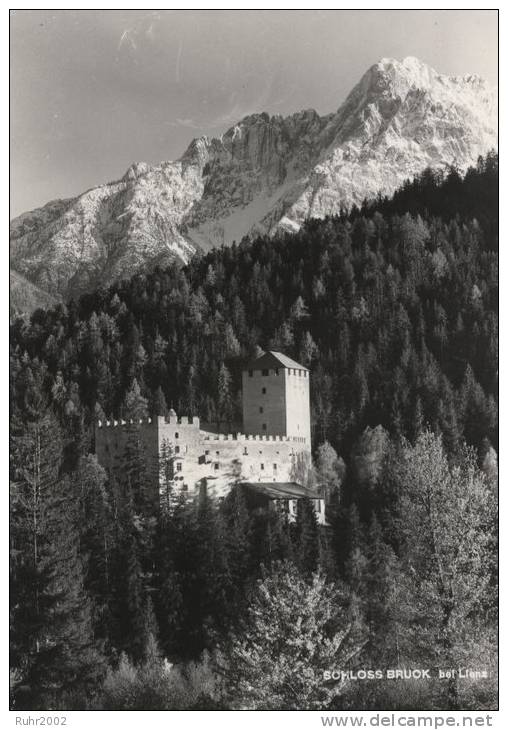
[{"x": 94, "y": 90}]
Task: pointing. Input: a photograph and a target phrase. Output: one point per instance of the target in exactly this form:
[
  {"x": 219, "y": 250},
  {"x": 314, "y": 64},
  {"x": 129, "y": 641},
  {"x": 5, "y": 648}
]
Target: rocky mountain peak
[
  {"x": 137, "y": 170},
  {"x": 264, "y": 174}
]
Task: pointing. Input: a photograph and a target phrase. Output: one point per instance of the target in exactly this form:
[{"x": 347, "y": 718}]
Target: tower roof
[{"x": 273, "y": 359}]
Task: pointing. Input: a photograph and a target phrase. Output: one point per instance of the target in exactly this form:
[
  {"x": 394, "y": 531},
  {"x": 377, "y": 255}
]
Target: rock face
[{"x": 263, "y": 175}]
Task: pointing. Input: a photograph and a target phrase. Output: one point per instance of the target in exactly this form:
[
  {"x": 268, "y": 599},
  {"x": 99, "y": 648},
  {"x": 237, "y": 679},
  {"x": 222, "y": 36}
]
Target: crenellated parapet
[
  {"x": 121, "y": 422},
  {"x": 172, "y": 420},
  {"x": 193, "y": 422},
  {"x": 209, "y": 436},
  {"x": 160, "y": 420}
]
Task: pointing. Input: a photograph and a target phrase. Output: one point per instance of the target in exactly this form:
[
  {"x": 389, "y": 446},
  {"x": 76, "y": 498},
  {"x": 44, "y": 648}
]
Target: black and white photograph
[{"x": 253, "y": 374}]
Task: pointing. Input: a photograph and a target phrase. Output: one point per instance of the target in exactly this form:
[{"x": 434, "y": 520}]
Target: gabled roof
[
  {"x": 273, "y": 360},
  {"x": 282, "y": 490}
]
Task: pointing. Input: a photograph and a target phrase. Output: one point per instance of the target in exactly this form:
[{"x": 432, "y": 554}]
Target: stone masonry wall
[
  {"x": 297, "y": 403},
  {"x": 198, "y": 455},
  {"x": 264, "y": 402}
]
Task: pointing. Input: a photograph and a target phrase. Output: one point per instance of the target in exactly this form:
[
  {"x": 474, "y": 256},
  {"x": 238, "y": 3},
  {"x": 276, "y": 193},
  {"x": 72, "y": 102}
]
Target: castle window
[
  {"x": 264, "y": 426},
  {"x": 261, "y": 409},
  {"x": 275, "y": 467},
  {"x": 217, "y": 453},
  {"x": 276, "y": 371},
  {"x": 245, "y": 452},
  {"x": 304, "y": 373},
  {"x": 179, "y": 466},
  {"x": 263, "y": 390},
  {"x": 185, "y": 487},
  {"x": 207, "y": 452},
  {"x": 177, "y": 435},
  {"x": 216, "y": 466},
  {"x": 177, "y": 449},
  {"x": 250, "y": 373},
  {"x": 262, "y": 467}
]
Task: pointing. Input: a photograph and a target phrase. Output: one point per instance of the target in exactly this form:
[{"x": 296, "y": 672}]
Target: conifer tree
[
  {"x": 53, "y": 644},
  {"x": 224, "y": 397},
  {"x": 382, "y": 605},
  {"x": 357, "y": 561},
  {"x": 130, "y": 595},
  {"x": 308, "y": 349},
  {"x": 213, "y": 568},
  {"x": 159, "y": 405},
  {"x": 97, "y": 538},
  {"x": 307, "y": 537},
  {"x": 239, "y": 535},
  {"x": 137, "y": 473},
  {"x": 169, "y": 596},
  {"x": 135, "y": 406}
]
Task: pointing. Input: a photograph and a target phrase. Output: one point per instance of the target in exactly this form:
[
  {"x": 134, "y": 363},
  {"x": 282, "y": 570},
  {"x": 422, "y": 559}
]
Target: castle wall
[
  {"x": 196, "y": 455},
  {"x": 249, "y": 458},
  {"x": 113, "y": 439}
]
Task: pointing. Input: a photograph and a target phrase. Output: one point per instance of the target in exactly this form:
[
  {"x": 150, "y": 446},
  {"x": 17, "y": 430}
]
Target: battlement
[
  {"x": 179, "y": 420},
  {"x": 160, "y": 420},
  {"x": 194, "y": 421},
  {"x": 121, "y": 422},
  {"x": 207, "y": 436}
]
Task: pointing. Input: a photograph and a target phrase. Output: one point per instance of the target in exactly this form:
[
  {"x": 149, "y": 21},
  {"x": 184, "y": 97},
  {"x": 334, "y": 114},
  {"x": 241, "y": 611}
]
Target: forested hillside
[
  {"x": 395, "y": 313},
  {"x": 394, "y": 309}
]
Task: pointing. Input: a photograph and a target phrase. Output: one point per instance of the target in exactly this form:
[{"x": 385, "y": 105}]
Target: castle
[{"x": 267, "y": 458}]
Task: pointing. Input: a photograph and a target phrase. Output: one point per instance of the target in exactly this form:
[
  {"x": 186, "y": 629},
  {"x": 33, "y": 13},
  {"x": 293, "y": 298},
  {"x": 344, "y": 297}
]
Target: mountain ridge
[{"x": 264, "y": 174}]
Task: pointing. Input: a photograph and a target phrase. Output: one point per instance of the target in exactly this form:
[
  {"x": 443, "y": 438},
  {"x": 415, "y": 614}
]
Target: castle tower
[{"x": 275, "y": 395}]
